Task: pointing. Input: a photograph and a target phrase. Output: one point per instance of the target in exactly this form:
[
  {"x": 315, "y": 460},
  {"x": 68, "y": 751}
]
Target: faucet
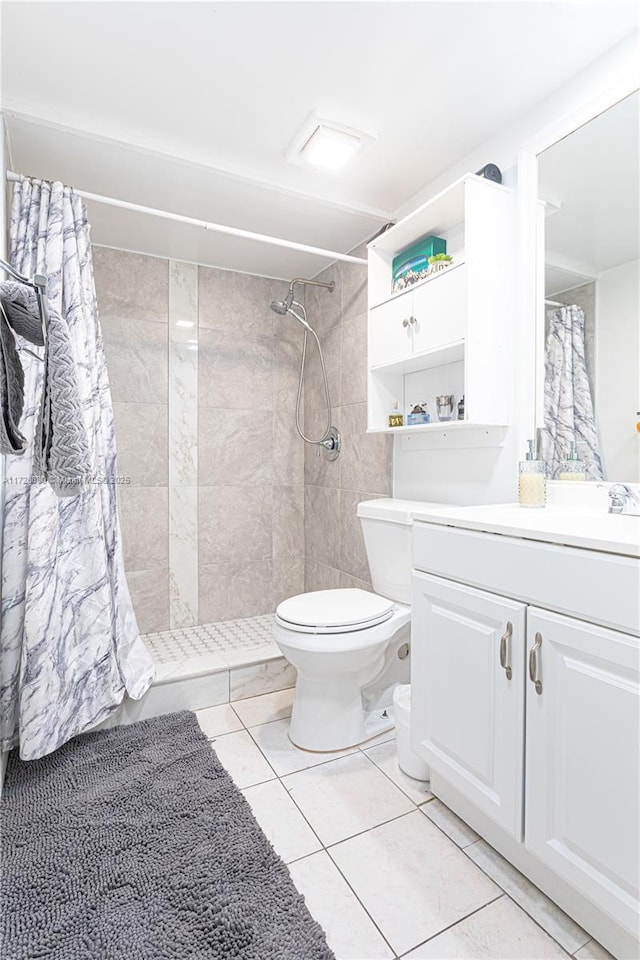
[{"x": 623, "y": 500}]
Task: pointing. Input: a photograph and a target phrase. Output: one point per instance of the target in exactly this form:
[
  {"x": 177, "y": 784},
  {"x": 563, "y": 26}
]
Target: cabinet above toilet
[{"x": 452, "y": 332}]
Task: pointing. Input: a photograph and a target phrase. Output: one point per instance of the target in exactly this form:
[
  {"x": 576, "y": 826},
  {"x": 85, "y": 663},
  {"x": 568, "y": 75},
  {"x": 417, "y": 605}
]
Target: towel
[
  {"x": 61, "y": 450},
  {"x": 11, "y": 391},
  {"x": 61, "y": 454},
  {"x": 21, "y": 309}
]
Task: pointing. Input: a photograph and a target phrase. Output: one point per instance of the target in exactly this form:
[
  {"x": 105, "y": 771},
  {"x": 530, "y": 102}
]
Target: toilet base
[{"x": 323, "y": 725}]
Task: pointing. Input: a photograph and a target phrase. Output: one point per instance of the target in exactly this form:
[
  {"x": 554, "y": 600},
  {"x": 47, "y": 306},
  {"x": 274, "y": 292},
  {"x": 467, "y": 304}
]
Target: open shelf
[
  {"x": 444, "y": 426},
  {"x": 421, "y": 283},
  {"x": 449, "y": 353}
]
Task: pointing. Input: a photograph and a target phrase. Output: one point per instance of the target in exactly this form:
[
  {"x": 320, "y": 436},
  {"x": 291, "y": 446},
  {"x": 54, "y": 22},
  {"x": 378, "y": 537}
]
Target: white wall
[
  {"x": 617, "y": 370},
  {"x": 620, "y": 61},
  {"x": 490, "y": 475}
]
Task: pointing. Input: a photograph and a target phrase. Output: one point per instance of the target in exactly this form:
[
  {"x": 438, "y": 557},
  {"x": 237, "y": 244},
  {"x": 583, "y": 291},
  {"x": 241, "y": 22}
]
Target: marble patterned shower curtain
[
  {"x": 69, "y": 642},
  {"x": 568, "y": 405}
]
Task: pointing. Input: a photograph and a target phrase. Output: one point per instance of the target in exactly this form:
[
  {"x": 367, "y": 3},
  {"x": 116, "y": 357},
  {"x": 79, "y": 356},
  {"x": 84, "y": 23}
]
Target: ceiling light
[
  {"x": 330, "y": 149},
  {"x": 325, "y": 145}
]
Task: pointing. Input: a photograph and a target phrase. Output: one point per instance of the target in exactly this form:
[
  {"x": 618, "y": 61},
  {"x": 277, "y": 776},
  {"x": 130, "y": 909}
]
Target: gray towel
[
  {"x": 61, "y": 451},
  {"x": 61, "y": 454},
  {"x": 21, "y": 308},
  {"x": 12, "y": 441}
]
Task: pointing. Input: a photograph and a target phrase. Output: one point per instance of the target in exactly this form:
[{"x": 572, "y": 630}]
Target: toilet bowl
[{"x": 351, "y": 647}]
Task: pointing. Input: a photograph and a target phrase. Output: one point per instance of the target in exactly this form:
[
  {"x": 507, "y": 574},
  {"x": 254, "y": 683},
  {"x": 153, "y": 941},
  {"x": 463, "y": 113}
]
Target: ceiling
[
  {"x": 191, "y": 106},
  {"x": 593, "y": 176}
]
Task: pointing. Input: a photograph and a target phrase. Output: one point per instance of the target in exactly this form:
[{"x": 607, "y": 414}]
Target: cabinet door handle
[
  {"x": 405, "y": 323},
  {"x": 412, "y": 320},
  {"x": 533, "y": 663},
  {"x": 505, "y": 650}
]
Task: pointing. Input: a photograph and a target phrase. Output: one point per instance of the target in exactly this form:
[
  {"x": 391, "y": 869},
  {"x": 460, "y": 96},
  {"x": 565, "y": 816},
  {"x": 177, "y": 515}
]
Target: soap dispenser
[
  {"x": 532, "y": 479},
  {"x": 572, "y": 468}
]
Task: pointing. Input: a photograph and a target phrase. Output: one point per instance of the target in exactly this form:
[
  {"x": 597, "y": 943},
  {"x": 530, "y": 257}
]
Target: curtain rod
[{"x": 206, "y": 225}]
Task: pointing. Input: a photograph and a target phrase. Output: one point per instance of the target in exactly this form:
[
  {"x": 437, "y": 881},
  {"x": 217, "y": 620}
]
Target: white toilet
[{"x": 350, "y": 647}]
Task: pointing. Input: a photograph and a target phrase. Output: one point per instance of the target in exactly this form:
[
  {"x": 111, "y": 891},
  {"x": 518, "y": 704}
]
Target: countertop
[{"x": 572, "y": 526}]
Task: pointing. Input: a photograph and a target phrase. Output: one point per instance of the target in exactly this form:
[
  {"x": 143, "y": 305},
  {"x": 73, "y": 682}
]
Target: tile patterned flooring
[
  {"x": 230, "y": 637},
  {"x": 385, "y": 867}
]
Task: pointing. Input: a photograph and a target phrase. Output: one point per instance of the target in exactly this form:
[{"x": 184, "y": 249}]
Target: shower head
[
  {"x": 280, "y": 306},
  {"x": 283, "y": 307}
]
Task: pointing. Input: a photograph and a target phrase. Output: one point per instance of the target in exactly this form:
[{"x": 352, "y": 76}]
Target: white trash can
[{"x": 408, "y": 761}]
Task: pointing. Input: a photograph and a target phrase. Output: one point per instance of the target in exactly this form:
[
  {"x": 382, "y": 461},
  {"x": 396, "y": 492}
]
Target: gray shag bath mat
[{"x": 135, "y": 844}]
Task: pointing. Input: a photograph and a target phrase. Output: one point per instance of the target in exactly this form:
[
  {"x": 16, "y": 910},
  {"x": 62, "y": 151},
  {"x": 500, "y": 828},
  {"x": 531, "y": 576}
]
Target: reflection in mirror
[{"x": 590, "y": 182}]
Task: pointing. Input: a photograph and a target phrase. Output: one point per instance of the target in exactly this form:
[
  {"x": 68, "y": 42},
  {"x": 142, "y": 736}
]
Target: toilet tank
[{"x": 386, "y": 525}]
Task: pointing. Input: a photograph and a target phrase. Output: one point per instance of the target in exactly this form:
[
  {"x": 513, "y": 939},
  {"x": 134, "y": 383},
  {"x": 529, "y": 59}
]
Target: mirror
[{"x": 590, "y": 184}]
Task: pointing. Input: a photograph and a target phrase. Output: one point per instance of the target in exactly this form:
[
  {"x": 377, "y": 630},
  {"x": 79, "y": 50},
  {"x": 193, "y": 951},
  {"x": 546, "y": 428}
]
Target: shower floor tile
[{"x": 235, "y": 641}]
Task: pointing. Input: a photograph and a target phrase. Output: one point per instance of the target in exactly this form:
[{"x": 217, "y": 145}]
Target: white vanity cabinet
[
  {"x": 468, "y": 668},
  {"x": 530, "y": 718},
  {"x": 582, "y": 759}
]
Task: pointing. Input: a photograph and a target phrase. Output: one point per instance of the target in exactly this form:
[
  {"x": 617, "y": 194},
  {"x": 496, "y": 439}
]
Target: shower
[{"x": 330, "y": 439}]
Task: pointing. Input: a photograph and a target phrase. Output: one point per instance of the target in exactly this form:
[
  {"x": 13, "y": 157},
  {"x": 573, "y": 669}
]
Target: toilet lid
[{"x": 329, "y": 611}]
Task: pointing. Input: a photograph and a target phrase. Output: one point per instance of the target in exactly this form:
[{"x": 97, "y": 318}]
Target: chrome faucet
[{"x": 623, "y": 500}]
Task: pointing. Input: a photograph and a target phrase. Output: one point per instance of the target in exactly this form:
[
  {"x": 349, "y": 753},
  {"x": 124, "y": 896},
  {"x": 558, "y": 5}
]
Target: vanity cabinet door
[
  {"x": 583, "y": 759},
  {"x": 391, "y": 330},
  {"x": 467, "y": 699}
]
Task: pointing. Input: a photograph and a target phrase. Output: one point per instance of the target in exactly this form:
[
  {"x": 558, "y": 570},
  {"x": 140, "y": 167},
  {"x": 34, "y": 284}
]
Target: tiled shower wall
[
  {"x": 334, "y": 547},
  {"x": 223, "y": 495},
  {"x": 203, "y": 378}
]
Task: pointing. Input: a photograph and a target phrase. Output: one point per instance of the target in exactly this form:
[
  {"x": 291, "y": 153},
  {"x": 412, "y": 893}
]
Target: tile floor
[
  {"x": 384, "y": 866},
  {"x": 228, "y": 637}
]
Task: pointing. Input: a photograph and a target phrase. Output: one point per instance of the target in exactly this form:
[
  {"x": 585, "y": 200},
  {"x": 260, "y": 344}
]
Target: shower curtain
[
  {"x": 69, "y": 642},
  {"x": 568, "y": 405}
]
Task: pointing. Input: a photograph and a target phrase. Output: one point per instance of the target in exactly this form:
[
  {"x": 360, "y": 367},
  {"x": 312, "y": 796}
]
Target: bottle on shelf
[
  {"x": 532, "y": 479},
  {"x": 396, "y": 417},
  {"x": 572, "y": 468}
]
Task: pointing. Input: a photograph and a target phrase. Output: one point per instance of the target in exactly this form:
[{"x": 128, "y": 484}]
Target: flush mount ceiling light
[{"x": 326, "y": 145}]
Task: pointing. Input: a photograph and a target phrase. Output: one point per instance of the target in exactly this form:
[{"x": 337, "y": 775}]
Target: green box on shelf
[{"x": 416, "y": 257}]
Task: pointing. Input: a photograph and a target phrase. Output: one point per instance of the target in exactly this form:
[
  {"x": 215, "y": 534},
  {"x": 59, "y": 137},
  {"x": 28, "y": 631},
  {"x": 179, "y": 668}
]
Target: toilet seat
[{"x": 334, "y": 611}]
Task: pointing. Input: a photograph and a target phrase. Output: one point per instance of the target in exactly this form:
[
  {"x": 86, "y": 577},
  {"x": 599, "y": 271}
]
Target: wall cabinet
[
  {"x": 431, "y": 316},
  {"x": 532, "y": 718},
  {"x": 451, "y": 332}
]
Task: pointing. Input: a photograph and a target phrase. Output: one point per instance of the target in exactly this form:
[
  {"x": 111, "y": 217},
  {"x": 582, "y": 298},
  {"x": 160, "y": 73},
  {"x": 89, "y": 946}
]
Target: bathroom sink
[{"x": 576, "y": 526}]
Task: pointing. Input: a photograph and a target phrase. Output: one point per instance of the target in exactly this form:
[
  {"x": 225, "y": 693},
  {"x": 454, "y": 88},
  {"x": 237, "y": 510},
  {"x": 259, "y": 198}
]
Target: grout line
[
  {"x": 361, "y": 904},
  {"x": 310, "y": 766},
  {"x": 506, "y": 892},
  {"x": 328, "y": 848},
  {"x": 391, "y": 780},
  {"x": 361, "y": 833},
  {"x": 451, "y": 925},
  {"x": 322, "y": 845}
]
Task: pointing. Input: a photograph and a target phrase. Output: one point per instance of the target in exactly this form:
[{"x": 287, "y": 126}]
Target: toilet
[{"x": 351, "y": 647}]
